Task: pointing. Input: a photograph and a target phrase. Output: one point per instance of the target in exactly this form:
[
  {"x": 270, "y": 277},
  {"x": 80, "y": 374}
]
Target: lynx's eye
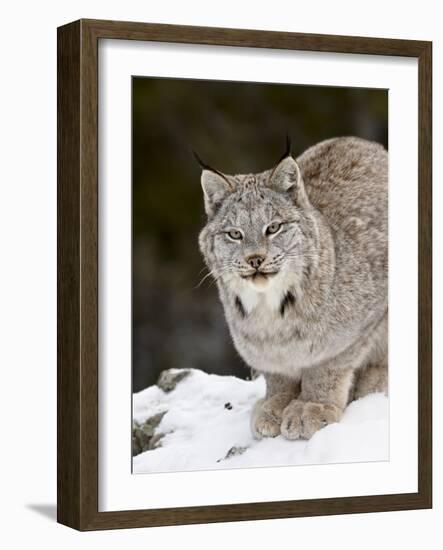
[
  {"x": 235, "y": 234},
  {"x": 273, "y": 228}
]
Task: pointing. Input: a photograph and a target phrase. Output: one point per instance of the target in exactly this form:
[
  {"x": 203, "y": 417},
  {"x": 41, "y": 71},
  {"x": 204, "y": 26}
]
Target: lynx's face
[
  {"x": 255, "y": 237},
  {"x": 254, "y": 234}
]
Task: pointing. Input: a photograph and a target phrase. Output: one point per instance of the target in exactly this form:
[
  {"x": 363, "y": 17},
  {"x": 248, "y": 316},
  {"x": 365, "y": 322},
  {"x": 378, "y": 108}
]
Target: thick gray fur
[{"x": 317, "y": 327}]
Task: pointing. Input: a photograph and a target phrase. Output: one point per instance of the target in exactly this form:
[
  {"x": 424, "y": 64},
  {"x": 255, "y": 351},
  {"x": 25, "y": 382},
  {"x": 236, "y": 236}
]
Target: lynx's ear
[
  {"x": 216, "y": 187},
  {"x": 286, "y": 178}
]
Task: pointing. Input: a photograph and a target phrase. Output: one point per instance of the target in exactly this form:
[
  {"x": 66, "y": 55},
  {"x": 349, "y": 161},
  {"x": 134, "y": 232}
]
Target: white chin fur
[
  {"x": 261, "y": 284},
  {"x": 261, "y": 292}
]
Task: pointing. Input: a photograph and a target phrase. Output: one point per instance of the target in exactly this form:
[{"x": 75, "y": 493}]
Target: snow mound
[{"x": 205, "y": 426}]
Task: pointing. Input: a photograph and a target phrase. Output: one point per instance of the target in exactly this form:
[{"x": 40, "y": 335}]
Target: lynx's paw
[
  {"x": 301, "y": 420},
  {"x": 266, "y": 416}
]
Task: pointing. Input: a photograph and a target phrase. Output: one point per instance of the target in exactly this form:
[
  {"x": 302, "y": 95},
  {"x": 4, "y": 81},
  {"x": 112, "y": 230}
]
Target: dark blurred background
[{"x": 236, "y": 127}]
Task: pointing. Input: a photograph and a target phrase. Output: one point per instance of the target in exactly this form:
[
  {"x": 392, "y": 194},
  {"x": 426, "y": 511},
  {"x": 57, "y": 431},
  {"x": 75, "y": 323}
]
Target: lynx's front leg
[
  {"x": 323, "y": 397},
  {"x": 266, "y": 417}
]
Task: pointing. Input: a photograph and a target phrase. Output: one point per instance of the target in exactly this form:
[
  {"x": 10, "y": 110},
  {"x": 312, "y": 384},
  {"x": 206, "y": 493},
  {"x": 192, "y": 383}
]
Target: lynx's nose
[{"x": 255, "y": 261}]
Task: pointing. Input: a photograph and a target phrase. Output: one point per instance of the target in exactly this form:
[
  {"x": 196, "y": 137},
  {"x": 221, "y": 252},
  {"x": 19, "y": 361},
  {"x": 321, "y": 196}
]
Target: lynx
[{"x": 300, "y": 257}]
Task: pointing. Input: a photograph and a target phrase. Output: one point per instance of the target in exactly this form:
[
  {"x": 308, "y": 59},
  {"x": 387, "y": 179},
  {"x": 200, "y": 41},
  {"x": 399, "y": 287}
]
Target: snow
[{"x": 206, "y": 427}]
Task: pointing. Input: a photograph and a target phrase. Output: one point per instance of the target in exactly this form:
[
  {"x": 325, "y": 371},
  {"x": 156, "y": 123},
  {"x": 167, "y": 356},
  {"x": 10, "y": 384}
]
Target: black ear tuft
[
  {"x": 288, "y": 150},
  {"x": 202, "y": 164},
  {"x": 205, "y": 166}
]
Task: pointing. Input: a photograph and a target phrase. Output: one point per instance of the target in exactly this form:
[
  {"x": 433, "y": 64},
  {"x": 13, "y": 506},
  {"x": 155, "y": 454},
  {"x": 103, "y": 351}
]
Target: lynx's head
[{"x": 256, "y": 231}]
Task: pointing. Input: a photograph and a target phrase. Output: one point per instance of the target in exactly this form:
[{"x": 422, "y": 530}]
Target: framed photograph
[{"x": 244, "y": 274}]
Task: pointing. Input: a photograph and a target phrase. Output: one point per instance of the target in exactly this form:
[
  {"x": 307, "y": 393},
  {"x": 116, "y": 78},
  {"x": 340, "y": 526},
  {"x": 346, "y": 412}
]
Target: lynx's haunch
[{"x": 300, "y": 256}]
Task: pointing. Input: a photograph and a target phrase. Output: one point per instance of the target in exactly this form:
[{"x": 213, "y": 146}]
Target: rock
[
  {"x": 233, "y": 451},
  {"x": 169, "y": 379},
  {"x": 155, "y": 441},
  {"x": 143, "y": 434},
  {"x": 144, "y": 437}
]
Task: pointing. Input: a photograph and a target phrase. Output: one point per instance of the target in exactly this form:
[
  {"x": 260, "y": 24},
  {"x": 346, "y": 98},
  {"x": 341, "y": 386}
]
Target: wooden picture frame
[{"x": 78, "y": 274}]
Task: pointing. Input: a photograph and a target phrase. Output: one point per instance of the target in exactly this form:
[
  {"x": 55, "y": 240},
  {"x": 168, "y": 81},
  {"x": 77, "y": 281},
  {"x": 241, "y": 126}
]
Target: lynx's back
[{"x": 347, "y": 179}]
